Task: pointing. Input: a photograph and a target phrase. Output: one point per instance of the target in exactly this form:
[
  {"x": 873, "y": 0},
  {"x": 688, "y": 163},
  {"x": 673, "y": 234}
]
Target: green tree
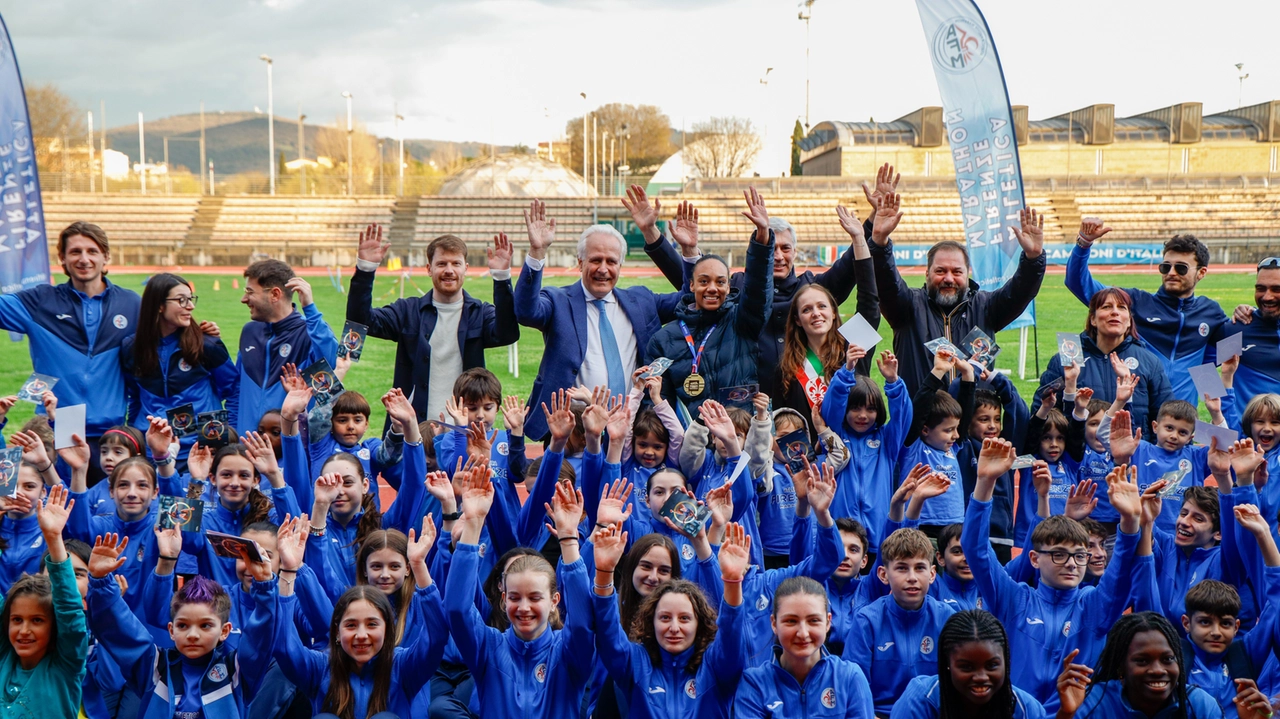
[
  {"x": 54, "y": 116},
  {"x": 796, "y": 136},
  {"x": 646, "y": 129}
]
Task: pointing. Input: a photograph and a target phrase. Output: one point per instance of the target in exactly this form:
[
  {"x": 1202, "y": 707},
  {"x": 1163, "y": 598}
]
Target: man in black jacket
[
  {"x": 950, "y": 303},
  {"x": 428, "y": 361}
]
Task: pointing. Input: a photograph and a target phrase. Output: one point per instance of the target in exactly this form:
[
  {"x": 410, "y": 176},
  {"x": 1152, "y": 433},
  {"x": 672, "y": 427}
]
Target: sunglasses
[
  {"x": 1269, "y": 263},
  {"x": 1182, "y": 268}
]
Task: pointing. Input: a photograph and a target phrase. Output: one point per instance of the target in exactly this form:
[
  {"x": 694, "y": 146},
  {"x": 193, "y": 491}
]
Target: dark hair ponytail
[
  {"x": 259, "y": 509},
  {"x": 370, "y": 521}
]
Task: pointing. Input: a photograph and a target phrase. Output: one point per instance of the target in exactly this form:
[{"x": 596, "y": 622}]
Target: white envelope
[
  {"x": 858, "y": 331},
  {"x": 68, "y": 421}
]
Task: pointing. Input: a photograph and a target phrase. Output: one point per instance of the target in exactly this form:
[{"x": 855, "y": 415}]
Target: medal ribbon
[{"x": 688, "y": 338}]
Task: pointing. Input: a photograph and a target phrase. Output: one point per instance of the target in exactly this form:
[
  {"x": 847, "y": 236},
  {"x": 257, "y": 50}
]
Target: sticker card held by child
[{"x": 352, "y": 343}]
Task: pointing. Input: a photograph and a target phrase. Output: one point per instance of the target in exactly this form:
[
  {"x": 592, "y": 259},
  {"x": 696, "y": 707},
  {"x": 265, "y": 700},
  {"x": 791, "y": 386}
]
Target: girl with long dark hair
[{"x": 171, "y": 361}]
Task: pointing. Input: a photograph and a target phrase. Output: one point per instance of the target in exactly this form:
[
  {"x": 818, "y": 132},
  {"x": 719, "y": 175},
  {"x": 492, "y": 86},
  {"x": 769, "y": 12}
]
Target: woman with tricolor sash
[
  {"x": 813, "y": 348},
  {"x": 713, "y": 344}
]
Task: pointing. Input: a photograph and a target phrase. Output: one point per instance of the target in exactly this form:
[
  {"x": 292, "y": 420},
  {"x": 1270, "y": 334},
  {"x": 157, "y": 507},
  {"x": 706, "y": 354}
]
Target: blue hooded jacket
[
  {"x": 265, "y": 348},
  {"x": 833, "y": 688},
  {"x": 1178, "y": 331},
  {"x": 77, "y": 339},
  {"x": 1043, "y": 622}
]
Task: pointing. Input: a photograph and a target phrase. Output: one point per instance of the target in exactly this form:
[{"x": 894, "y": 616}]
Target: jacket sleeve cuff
[
  {"x": 500, "y": 275},
  {"x": 534, "y": 263},
  {"x": 366, "y": 265}
]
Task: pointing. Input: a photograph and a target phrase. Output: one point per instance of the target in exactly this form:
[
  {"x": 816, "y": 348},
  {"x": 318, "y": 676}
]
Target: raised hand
[
  {"x": 644, "y": 214},
  {"x": 1124, "y": 441},
  {"x": 1073, "y": 684},
  {"x": 1251, "y": 520},
  {"x": 401, "y": 410},
  {"x": 1219, "y": 461},
  {"x": 479, "y": 444},
  {"x": 1122, "y": 489},
  {"x": 1228, "y": 369},
  {"x": 1041, "y": 477},
  {"x": 720, "y": 502},
  {"x": 33, "y": 450},
  {"x": 684, "y": 228},
  {"x": 372, "y": 247},
  {"x": 200, "y": 461},
  {"x": 760, "y": 403},
  {"x": 500, "y": 254},
  {"x": 995, "y": 459},
  {"x": 1152, "y": 503},
  {"x": 326, "y": 489},
  {"x": 1084, "y": 396},
  {"x": 1031, "y": 233},
  {"x": 619, "y": 419},
  {"x": 454, "y": 410},
  {"x": 822, "y": 486},
  {"x": 943, "y": 362},
  {"x": 6, "y": 404},
  {"x": 108, "y": 554},
  {"x": 50, "y": 402},
  {"x": 1081, "y": 499},
  {"x": 295, "y": 403},
  {"x": 420, "y": 543},
  {"x": 1119, "y": 367},
  {"x": 159, "y": 436},
  {"x": 559, "y": 418},
  {"x": 439, "y": 486},
  {"x": 77, "y": 455},
  {"x": 260, "y": 452},
  {"x": 168, "y": 541},
  {"x": 52, "y": 516},
  {"x": 1245, "y": 460},
  {"x": 596, "y": 417},
  {"x": 542, "y": 230},
  {"x": 851, "y": 224},
  {"x": 852, "y": 355},
  {"x": 477, "y": 498},
  {"x": 934, "y": 484},
  {"x": 564, "y": 510},
  {"x": 291, "y": 541},
  {"x": 513, "y": 414},
  {"x": 888, "y": 364},
  {"x": 885, "y": 221},
  {"x": 757, "y": 213},
  {"x": 886, "y": 182},
  {"x": 303, "y": 288},
  {"x": 735, "y": 553},
  {"x": 716, "y": 418},
  {"x": 610, "y": 544},
  {"x": 1070, "y": 375},
  {"x": 1092, "y": 229},
  {"x": 614, "y": 506},
  {"x": 291, "y": 378}
]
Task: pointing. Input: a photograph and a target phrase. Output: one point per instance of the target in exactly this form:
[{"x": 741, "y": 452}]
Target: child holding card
[
  {"x": 170, "y": 362},
  {"x": 653, "y": 439},
  {"x": 935, "y": 431},
  {"x": 19, "y": 527}
]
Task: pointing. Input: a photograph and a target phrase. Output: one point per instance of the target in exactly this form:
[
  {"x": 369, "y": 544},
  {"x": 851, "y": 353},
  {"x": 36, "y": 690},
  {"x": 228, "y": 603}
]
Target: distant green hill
[{"x": 237, "y": 141}]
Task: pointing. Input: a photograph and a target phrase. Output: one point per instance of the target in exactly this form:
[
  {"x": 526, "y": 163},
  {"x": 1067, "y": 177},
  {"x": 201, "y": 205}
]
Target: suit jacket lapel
[{"x": 578, "y": 315}]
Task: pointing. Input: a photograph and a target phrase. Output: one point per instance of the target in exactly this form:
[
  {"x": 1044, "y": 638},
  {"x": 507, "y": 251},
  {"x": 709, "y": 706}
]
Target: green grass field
[{"x": 1056, "y": 309}]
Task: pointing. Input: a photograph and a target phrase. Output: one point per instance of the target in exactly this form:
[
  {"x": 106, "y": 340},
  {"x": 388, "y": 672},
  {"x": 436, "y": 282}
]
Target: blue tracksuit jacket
[
  {"x": 866, "y": 483},
  {"x": 922, "y": 699},
  {"x": 412, "y": 664},
  {"x": 1210, "y": 672},
  {"x": 1043, "y": 622},
  {"x": 265, "y": 348},
  {"x": 777, "y": 511},
  {"x": 1014, "y": 429},
  {"x": 894, "y": 645},
  {"x": 205, "y": 386},
  {"x": 1259, "y": 371},
  {"x": 671, "y": 690},
  {"x": 954, "y": 593},
  {"x": 1154, "y": 462},
  {"x": 1153, "y": 387},
  {"x": 1179, "y": 331},
  {"x": 834, "y": 688},
  {"x": 24, "y": 550},
  {"x": 77, "y": 339},
  {"x": 540, "y": 679},
  {"x": 1107, "y": 701},
  {"x": 949, "y": 508}
]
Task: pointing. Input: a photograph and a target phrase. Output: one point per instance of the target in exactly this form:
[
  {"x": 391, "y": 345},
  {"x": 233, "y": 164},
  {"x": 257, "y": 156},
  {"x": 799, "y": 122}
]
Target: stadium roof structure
[
  {"x": 1093, "y": 125},
  {"x": 515, "y": 176}
]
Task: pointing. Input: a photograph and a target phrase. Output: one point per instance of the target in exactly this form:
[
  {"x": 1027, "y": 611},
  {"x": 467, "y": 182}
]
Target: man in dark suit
[
  {"x": 443, "y": 333},
  {"x": 594, "y": 332}
]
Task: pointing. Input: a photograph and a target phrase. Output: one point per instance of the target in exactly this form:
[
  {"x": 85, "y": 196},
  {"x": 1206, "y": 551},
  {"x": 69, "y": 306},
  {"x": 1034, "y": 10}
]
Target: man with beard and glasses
[
  {"x": 1172, "y": 322},
  {"x": 593, "y": 331},
  {"x": 950, "y": 303},
  {"x": 443, "y": 333},
  {"x": 1259, "y": 371}
]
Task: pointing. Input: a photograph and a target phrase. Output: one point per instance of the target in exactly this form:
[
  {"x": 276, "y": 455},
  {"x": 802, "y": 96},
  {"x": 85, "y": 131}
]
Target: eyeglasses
[
  {"x": 188, "y": 302},
  {"x": 1269, "y": 263},
  {"x": 1060, "y": 557},
  {"x": 1182, "y": 268}
]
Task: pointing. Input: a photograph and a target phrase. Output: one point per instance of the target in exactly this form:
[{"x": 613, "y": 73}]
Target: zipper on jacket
[{"x": 1182, "y": 318}]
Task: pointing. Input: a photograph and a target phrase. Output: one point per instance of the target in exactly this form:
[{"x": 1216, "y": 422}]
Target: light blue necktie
[{"x": 612, "y": 357}]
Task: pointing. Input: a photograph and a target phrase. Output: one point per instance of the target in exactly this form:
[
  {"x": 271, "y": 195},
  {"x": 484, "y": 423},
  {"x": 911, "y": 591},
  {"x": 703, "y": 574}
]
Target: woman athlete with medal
[{"x": 713, "y": 343}]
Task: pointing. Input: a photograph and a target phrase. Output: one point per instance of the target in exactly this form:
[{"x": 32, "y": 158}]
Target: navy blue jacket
[
  {"x": 1014, "y": 429},
  {"x": 1259, "y": 371},
  {"x": 729, "y": 355},
  {"x": 916, "y": 319},
  {"x": 560, "y": 313},
  {"x": 410, "y": 321},
  {"x": 265, "y": 348},
  {"x": 1153, "y": 387},
  {"x": 1179, "y": 331},
  {"x": 176, "y": 382},
  {"x": 53, "y": 318}
]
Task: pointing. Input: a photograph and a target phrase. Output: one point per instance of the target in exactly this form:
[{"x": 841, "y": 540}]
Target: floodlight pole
[
  {"x": 302, "y": 153},
  {"x": 806, "y": 12},
  {"x": 271, "y": 124},
  {"x": 400, "y": 153},
  {"x": 584, "y": 142},
  {"x": 142, "y": 155},
  {"x": 351, "y": 186},
  {"x": 1243, "y": 76}
]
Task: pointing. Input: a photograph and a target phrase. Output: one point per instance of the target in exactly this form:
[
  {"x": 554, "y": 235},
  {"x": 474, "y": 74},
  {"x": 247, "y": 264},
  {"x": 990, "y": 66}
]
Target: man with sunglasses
[
  {"x": 1259, "y": 371},
  {"x": 1173, "y": 322}
]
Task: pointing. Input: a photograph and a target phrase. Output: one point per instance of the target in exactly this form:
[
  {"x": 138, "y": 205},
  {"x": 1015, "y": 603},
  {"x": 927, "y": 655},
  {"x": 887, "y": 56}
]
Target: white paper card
[
  {"x": 68, "y": 421},
  {"x": 1207, "y": 381},
  {"x": 858, "y": 331},
  {"x": 1226, "y": 437},
  {"x": 1230, "y": 346}
]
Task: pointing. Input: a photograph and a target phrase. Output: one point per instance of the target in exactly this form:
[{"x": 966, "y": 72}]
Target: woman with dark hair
[
  {"x": 1109, "y": 348},
  {"x": 813, "y": 348},
  {"x": 714, "y": 342},
  {"x": 973, "y": 676},
  {"x": 676, "y": 640},
  {"x": 172, "y": 361},
  {"x": 1142, "y": 671}
]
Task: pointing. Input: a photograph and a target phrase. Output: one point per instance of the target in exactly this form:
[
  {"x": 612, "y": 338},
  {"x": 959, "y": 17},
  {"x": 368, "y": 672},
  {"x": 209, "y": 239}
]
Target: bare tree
[
  {"x": 648, "y": 145},
  {"x": 53, "y": 117},
  {"x": 331, "y": 142},
  {"x": 726, "y": 147}
]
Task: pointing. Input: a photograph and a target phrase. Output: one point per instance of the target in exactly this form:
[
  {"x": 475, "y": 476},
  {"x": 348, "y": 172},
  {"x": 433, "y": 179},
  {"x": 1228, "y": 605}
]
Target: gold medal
[{"x": 694, "y": 384}]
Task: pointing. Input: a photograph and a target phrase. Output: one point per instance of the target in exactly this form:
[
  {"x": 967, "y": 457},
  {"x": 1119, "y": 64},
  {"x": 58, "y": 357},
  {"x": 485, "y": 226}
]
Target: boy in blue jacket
[
  {"x": 955, "y": 585},
  {"x": 988, "y": 407},
  {"x": 1046, "y": 623},
  {"x": 345, "y": 433},
  {"x": 893, "y": 639},
  {"x": 935, "y": 431},
  {"x": 1171, "y": 456}
]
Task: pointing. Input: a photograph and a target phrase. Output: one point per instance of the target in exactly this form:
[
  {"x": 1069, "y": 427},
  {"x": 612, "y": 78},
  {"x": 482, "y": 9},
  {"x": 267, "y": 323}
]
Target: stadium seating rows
[{"x": 188, "y": 229}]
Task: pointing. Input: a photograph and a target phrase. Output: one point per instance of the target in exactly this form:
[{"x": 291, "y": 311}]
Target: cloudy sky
[{"x": 510, "y": 71}]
